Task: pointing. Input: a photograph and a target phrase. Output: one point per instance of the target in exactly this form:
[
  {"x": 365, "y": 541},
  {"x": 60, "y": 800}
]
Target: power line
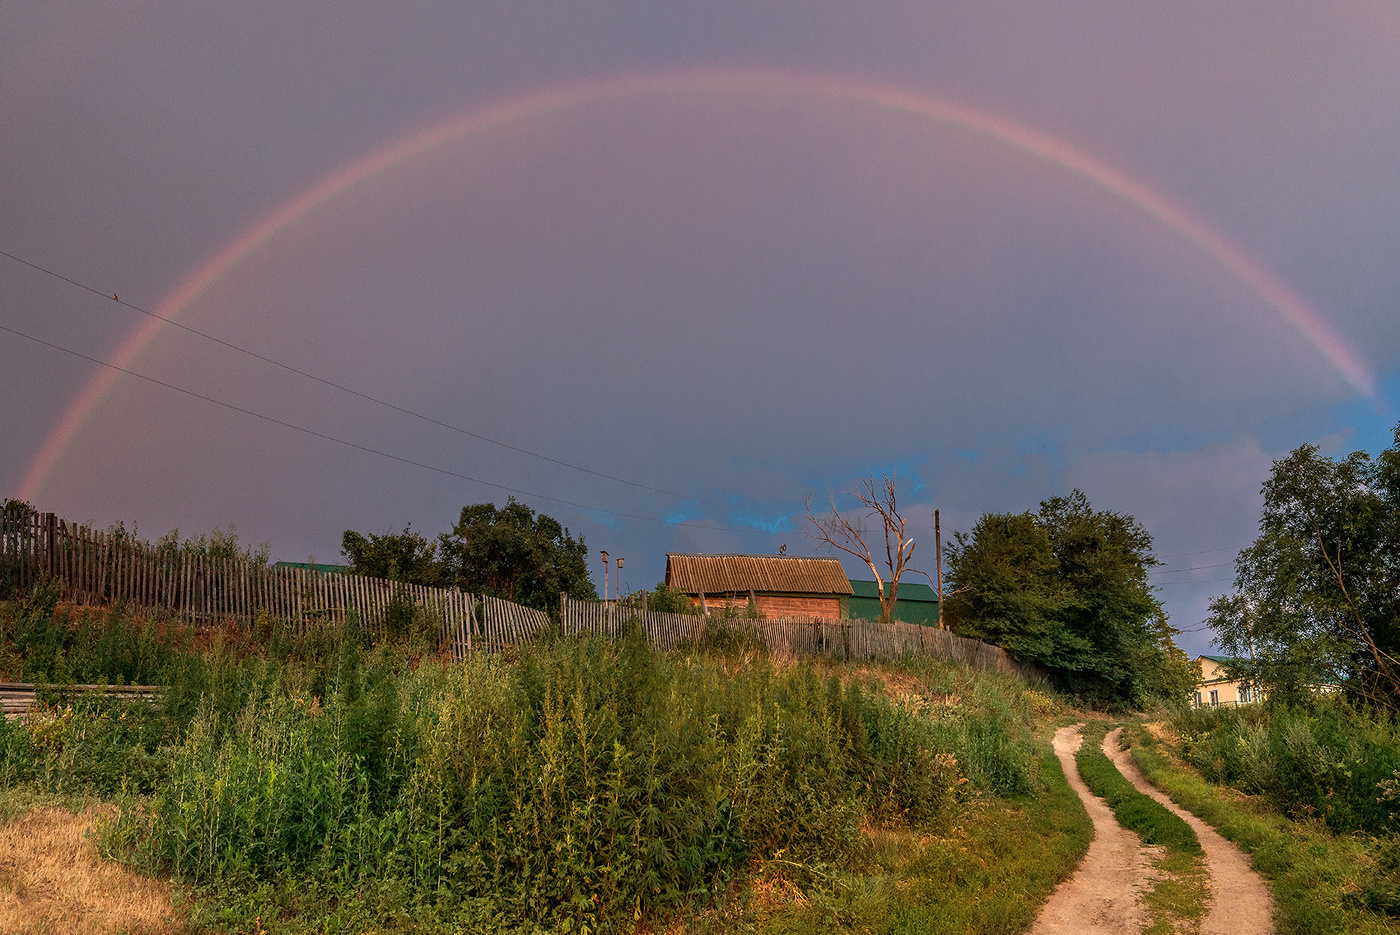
[
  {"x": 1167, "y": 584},
  {"x": 1223, "y": 548},
  {"x": 1177, "y": 571},
  {"x": 365, "y": 448},
  {"x": 375, "y": 399}
]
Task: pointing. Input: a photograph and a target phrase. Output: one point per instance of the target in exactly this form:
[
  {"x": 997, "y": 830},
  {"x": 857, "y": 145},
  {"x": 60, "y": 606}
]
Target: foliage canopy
[
  {"x": 1067, "y": 590},
  {"x": 509, "y": 552},
  {"x": 1317, "y": 596}
]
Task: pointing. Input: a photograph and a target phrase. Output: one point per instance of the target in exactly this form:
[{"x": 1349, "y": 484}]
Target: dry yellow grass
[{"x": 53, "y": 881}]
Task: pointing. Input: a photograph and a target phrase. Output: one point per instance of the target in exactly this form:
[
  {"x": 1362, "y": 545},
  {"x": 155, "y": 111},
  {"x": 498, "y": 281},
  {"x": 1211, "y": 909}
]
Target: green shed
[
  {"x": 915, "y": 603},
  {"x": 315, "y": 566}
]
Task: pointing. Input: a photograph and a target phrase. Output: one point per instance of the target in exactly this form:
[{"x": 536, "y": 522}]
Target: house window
[
  {"x": 1244, "y": 694},
  {"x": 1214, "y": 697},
  {"x": 1198, "y": 699}
]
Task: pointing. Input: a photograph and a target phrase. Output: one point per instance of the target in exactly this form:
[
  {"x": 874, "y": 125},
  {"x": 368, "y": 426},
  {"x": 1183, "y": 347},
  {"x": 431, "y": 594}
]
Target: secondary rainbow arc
[{"x": 1302, "y": 318}]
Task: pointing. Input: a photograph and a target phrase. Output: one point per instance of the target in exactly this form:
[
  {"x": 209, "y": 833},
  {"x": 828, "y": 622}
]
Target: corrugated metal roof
[
  {"x": 908, "y": 590},
  {"x": 739, "y": 574}
]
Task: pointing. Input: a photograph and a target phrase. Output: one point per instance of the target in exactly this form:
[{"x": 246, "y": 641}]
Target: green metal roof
[
  {"x": 324, "y": 569},
  {"x": 908, "y": 591}
]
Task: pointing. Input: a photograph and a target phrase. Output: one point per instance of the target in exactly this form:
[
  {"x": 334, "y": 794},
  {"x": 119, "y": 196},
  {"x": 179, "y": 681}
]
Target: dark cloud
[{"x": 743, "y": 296}]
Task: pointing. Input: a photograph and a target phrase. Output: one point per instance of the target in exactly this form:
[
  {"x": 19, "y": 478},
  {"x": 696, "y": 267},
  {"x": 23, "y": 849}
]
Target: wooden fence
[
  {"x": 102, "y": 568},
  {"x": 789, "y": 637}
]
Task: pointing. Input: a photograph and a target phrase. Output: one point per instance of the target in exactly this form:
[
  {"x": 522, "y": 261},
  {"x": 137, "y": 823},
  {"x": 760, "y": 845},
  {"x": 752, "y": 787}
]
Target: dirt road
[
  {"x": 1104, "y": 895},
  {"x": 1240, "y": 902}
]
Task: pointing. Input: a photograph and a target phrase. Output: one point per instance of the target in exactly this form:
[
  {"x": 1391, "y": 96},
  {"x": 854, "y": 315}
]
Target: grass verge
[
  {"x": 1317, "y": 878},
  {"x": 994, "y": 875}
]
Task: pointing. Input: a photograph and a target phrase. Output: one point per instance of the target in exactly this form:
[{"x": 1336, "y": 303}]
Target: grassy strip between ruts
[
  {"x": 1180, "y": 895},
  {"x": 1134, "y": 810},
  {"x": 1316, "y": 877}
]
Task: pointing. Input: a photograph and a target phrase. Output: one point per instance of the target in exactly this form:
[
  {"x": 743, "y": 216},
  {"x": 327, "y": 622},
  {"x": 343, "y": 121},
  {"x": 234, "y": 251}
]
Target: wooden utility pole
[{"x": 938, "y": 552}]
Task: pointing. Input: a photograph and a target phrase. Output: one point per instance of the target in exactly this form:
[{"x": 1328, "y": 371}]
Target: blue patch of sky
[
  {"x": 1039, "y": 443},
  {"x": 904, "y": 470},
  {"x": 683, "y": 515},
  {"x": 1373, "y": 420},
  {"x": 1161, "y": 440},
  {"x": 748, "y": 520},
  {"x": 972, "y": 455},
  {"x": 1357, "y": 423}
]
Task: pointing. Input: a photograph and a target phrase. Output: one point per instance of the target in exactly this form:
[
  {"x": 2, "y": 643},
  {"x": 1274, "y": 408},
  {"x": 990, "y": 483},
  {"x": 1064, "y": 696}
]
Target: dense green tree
[
  {"x": 399, "y": 556},
  {"x": 513, "y": 553},
  {"x": 1067, "y": 589},
  {"x": 1003, "y": 586},
  {"x": 1317, "y": 596},
  {"x": 662, "y": 599}
]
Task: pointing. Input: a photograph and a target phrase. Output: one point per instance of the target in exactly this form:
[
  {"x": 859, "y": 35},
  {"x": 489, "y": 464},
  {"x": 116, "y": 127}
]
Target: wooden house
[{"x": 778, "y": 585}]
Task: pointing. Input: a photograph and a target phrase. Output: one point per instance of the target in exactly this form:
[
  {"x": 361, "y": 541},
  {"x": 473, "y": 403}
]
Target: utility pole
[
  {"x": 938, "y": 555},
  {"x": 605, "y": 576}
]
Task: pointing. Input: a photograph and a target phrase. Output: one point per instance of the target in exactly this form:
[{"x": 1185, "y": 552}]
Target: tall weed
[{"x": 1328, "y": 760}]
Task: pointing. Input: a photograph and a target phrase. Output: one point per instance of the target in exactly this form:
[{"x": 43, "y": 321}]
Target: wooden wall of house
[{"x": 778, "y": 605}]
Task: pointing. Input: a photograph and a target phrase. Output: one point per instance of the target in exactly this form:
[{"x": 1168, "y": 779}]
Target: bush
[
  {"x": 581, "y": 782},
  {"x": 1328, "y": 759},
  {"x": 584, "y": 783}
]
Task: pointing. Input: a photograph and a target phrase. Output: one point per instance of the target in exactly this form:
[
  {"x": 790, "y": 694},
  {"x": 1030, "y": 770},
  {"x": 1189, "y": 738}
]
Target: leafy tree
[
  {"x": 662, "y": 599},
  {"x": 1004, "y": 586},
  {"x": 1317, "y": 596},
  {"x": 515, "y": 554},
  {"x": 399, "y": 556},
  {"x": 1067, "y": 589}
]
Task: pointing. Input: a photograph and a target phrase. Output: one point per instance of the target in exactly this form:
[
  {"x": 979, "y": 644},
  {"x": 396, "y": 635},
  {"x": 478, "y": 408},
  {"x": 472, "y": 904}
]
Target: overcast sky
[{"x": 614, "y": 255}]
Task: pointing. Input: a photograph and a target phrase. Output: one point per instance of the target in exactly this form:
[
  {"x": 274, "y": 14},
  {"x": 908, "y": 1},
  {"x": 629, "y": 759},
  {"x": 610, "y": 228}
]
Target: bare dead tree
[{"x": 877, "y": 498}]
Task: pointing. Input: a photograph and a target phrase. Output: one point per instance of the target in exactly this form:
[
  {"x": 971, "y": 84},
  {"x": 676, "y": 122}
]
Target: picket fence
[
  {"x": 788, "y": 637},
  {"x": 103, "y": 568}
]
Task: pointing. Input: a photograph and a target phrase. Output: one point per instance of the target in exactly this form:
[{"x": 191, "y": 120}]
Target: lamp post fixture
[{"x": 605, "y": 576}]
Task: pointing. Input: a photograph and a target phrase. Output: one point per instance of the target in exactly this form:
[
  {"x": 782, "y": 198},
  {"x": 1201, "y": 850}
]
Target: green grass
[
  {"x": 321, "y": 784},
  {"x": 1320, "y": 880},
  {"x": 1136, "y": 811},
  {"x": 996, "y": 873},
  {"x": 987, "y": 875},
  {"x": 1179, "y": 897}
]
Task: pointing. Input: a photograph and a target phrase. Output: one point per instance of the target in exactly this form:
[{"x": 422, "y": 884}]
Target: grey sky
[{"x": 743, "y": 295}]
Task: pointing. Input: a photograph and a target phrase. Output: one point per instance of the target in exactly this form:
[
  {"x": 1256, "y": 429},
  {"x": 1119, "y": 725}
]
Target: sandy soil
[
  {"x": 1104, "y": 895},
  {"x": 1240, "y": 902}
]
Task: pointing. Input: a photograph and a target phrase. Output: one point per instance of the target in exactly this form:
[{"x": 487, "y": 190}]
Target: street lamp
[
  {"x": 605, "y": 576},
  {"x": 617, "y": 585}
]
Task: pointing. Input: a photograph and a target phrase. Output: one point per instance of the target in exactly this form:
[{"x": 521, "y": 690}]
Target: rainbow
[{"x": 1307, "y": 322}]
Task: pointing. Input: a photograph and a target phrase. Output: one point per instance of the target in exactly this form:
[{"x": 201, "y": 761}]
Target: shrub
[{"x": 1328, "y": 759}]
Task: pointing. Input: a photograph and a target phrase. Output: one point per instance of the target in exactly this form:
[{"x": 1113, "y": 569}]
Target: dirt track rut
[
  {"x": 1103, "y": 896},
  {"x": 1240, "y": 901}
]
